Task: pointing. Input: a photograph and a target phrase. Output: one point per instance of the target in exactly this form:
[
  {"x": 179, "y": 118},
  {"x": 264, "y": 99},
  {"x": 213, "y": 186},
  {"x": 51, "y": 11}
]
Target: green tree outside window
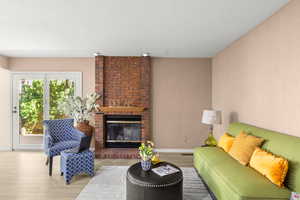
[{"x": 32, "y": 105}]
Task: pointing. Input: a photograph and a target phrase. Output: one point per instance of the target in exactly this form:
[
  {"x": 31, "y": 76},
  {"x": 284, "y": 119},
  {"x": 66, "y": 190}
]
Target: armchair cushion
[
  {"x": 76, "y": 134},
  {"x": 61, "y": 146}
]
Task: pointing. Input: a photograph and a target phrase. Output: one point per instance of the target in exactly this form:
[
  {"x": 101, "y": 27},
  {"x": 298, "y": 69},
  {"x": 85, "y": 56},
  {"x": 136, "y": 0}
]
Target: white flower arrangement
[{"x": 79, "y": 108}]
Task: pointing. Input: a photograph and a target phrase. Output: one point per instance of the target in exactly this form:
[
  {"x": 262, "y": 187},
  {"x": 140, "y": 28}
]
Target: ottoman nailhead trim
[{"x": 139, "y": 183}]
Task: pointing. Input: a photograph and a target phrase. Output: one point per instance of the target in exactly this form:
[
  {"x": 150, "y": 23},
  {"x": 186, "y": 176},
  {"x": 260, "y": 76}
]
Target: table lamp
[{"x": 211, "y": 117}]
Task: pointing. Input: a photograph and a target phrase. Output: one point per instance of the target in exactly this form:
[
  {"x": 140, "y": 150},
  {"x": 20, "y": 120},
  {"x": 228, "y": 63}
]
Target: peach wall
[
  {"x": 84, "y": 65},
  {"x": 5, "y": 113},
  {"x": 181, "y": 89},
  {"x": 257, "y": 79}
]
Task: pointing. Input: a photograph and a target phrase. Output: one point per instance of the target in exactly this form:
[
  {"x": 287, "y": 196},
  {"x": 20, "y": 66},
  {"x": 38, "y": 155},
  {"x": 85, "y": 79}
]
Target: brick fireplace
[{"x": 125, "y": 83}]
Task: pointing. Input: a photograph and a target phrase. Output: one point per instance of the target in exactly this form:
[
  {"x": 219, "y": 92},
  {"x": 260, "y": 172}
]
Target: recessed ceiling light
[
  {"x": 145, "y": 54},
  {"x": 97, "y": 54}
]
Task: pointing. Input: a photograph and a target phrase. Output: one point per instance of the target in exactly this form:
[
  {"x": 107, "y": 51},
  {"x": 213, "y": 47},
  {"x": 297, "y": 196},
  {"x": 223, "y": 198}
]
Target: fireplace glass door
[{"x": 123, "y": 131}]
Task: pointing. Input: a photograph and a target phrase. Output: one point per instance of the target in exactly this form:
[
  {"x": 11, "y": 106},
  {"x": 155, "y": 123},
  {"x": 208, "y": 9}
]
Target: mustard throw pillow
[
  {"x": 271, "y": 166},
  {"x": 226, "y": 142},
  {"x": 243, "y": 146}
]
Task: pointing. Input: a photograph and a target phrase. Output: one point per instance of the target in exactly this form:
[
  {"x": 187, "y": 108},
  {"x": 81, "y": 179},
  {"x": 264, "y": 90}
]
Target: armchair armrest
[{"x": 48, "y": 143}]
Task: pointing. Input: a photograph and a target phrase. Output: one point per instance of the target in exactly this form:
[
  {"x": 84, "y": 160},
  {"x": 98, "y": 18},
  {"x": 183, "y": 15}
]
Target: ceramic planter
[{"x": 146, "y": 165}]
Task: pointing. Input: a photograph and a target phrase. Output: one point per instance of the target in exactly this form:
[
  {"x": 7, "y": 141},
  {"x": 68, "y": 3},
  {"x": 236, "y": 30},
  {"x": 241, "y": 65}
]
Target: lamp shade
[{"x": 211, "y": 117}]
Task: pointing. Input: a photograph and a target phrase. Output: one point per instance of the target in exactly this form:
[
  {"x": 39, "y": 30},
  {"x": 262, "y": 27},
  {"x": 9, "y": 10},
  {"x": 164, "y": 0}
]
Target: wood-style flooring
[{"x": 24, "y": 176}]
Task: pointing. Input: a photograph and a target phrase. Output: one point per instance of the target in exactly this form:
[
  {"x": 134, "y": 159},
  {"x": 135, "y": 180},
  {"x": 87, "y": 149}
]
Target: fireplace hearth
[{"x": 122, "y": 131}]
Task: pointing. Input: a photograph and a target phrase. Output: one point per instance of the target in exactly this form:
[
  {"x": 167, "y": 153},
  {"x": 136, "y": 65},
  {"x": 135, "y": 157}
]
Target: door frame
[{"x": 47, "y": 76}]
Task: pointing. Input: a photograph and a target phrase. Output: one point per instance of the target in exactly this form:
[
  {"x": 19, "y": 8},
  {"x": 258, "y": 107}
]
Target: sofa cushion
[
  {"x": 273, "y": 167},
  {"x": 229, "y": 179},
  {"x": 243, "y": 146},
  {"x": 226, "y": 142}
]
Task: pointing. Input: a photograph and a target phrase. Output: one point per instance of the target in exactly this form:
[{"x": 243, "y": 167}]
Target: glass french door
[{"x": 36, "y": 96}]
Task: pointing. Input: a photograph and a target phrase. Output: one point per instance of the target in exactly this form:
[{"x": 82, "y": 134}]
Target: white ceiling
[{"x": 165, "y": 28}]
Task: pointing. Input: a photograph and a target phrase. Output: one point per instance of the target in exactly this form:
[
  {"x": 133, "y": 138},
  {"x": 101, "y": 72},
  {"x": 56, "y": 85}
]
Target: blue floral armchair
[{"x": 60, "y": 135}]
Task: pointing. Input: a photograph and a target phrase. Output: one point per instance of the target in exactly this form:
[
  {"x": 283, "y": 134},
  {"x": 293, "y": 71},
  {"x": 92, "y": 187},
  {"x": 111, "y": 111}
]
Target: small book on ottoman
[{"x": 165, "y": 170}]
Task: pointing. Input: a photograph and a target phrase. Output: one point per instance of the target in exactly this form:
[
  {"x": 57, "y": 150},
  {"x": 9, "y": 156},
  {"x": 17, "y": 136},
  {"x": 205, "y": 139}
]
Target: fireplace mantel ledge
[{"x": 121, "y": 109}]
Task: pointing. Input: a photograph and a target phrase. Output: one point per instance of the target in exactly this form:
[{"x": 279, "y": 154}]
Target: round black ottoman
[{"x": 141, "y": 185}]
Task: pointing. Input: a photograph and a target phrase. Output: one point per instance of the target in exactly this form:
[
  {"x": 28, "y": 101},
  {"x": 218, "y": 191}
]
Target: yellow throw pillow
[
  {"x": 226, "y": 142},
  {"x": 271, "y": 166},
  {"x": 243, "y": 146}
]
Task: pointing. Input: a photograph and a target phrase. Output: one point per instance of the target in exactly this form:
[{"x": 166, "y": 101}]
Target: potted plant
[
  {"x": 81, "y": 109},
  {"x": 146, "y": 153}
]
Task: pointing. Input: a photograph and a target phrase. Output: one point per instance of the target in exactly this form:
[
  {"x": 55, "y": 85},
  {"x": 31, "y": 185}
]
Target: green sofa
[{"x": 229, "y": 180}]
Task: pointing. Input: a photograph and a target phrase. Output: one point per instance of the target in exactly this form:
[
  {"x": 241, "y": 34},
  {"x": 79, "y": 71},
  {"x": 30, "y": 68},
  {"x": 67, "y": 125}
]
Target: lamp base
[{"x": 211, "y": 141}]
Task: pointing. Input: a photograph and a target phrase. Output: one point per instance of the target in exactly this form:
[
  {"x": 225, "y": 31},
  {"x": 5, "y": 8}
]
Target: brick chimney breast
[{"x": 123, "y": 81}]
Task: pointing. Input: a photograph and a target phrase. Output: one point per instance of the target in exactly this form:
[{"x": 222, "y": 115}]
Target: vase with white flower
[
  {"x": 81, "y": 109},
  {"x": 146, "y": 153}
]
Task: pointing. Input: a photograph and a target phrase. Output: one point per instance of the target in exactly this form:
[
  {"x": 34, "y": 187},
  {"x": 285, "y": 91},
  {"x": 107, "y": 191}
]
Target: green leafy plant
[
  {"x": 31, "y": 104},
  {"x": 146, "y": 150},
  {"x": 59, "y": 92}
]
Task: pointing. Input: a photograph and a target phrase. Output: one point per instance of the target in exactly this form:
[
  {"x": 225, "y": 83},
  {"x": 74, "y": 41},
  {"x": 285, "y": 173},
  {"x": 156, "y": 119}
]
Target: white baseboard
[
  {"x": 5, "y": 149},
  {"x": 174, "y": 150},
  {"x": 30, "y": 148}
]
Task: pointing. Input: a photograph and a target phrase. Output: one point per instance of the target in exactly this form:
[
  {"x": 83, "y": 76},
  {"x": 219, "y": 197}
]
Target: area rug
[{"x": 109, "y": 183}]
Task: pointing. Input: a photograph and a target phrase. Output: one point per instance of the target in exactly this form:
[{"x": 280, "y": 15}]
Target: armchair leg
[
  {"x": 50, "y": 165},
  {"x": 47, "y": 161}
]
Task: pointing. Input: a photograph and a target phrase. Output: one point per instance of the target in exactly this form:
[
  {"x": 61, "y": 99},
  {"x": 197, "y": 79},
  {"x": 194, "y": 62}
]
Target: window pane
[
  {"x": 31, "y": 107},
  {"x": 60, "y": 90}
]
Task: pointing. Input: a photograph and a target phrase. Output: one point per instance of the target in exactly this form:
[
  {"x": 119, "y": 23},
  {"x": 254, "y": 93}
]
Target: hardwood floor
[{"x": 24, "y": 175}]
